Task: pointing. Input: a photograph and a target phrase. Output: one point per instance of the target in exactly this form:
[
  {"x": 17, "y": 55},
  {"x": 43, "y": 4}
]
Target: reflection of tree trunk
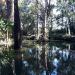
[
  {"x": 37, "y": 63},
  {"x": 43, "y": 55},
  {"x": 18, "y": 63},
  {"x": 69, "y": 47},
  {"x": 69, "y": 30},
  {"x": 17, "y": 39}
]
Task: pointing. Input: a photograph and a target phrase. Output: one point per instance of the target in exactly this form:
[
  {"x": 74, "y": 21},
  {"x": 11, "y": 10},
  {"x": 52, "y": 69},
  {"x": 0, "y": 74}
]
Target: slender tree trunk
[
  {"x": 17, "y": 28},
  {"x": 17, "y": 40},
  {"x": 68, "y": 27},
  {"x": 9, "y": 6},
  {"x": 50, "y": 29},
  {"x": 37, "y": 26},
  {"x": 69, "y": 30},
  {"x": 0, "y": 10},
  {"x": 37, "y": 18},
  {"x": 12, "y": 11},
  {"x": 7, "y": 38},
  {"x": 44, "y": 28},
  {"x": 8, "y": 14}
]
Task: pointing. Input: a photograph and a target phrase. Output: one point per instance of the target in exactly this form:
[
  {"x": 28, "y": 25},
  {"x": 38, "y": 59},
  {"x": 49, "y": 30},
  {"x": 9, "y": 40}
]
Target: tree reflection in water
[
  {"x": 40, "y": 59},
  {"x": 18, "y": 63}
]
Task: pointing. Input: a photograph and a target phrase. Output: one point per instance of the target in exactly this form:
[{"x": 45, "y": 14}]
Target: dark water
[{"x": 53, "y": 58}]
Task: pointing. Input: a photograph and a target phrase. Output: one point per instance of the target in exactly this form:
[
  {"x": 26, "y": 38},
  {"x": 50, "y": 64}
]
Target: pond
[{"x": 52, "y": 58}]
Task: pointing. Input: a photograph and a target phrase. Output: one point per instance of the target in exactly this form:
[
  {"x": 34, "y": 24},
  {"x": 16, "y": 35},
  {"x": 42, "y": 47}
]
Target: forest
[
  {"x": 37, "y": 31},
  {"x": 38, "y": 20}
]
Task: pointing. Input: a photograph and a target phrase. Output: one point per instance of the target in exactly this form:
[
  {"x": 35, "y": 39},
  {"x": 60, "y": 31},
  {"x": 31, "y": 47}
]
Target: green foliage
[
  {"x": 27, "y": 10},
  {"x": 2, "y": 24},
  {"x": 71, "y": 1},
  {"x": 27, "y": 19},
  {"x": 27, "y": 15},
  {"x": 5, "y": 25}
]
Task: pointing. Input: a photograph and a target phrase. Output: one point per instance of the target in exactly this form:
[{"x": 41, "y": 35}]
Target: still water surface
[{"x": 52, "y": 58}]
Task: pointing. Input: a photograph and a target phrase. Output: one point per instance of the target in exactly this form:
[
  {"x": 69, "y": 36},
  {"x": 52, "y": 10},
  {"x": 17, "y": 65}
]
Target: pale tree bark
[
  {"x": 8, "y": 16},
  {"x": 47, "y": 16},
  {"x": 12, "y": 11},
  {"x": 69, "y": 30},
  {"x": 44, "y": 31},
  {"x": 68, "y": 27},
  {"x": 37, "y": 19}
]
